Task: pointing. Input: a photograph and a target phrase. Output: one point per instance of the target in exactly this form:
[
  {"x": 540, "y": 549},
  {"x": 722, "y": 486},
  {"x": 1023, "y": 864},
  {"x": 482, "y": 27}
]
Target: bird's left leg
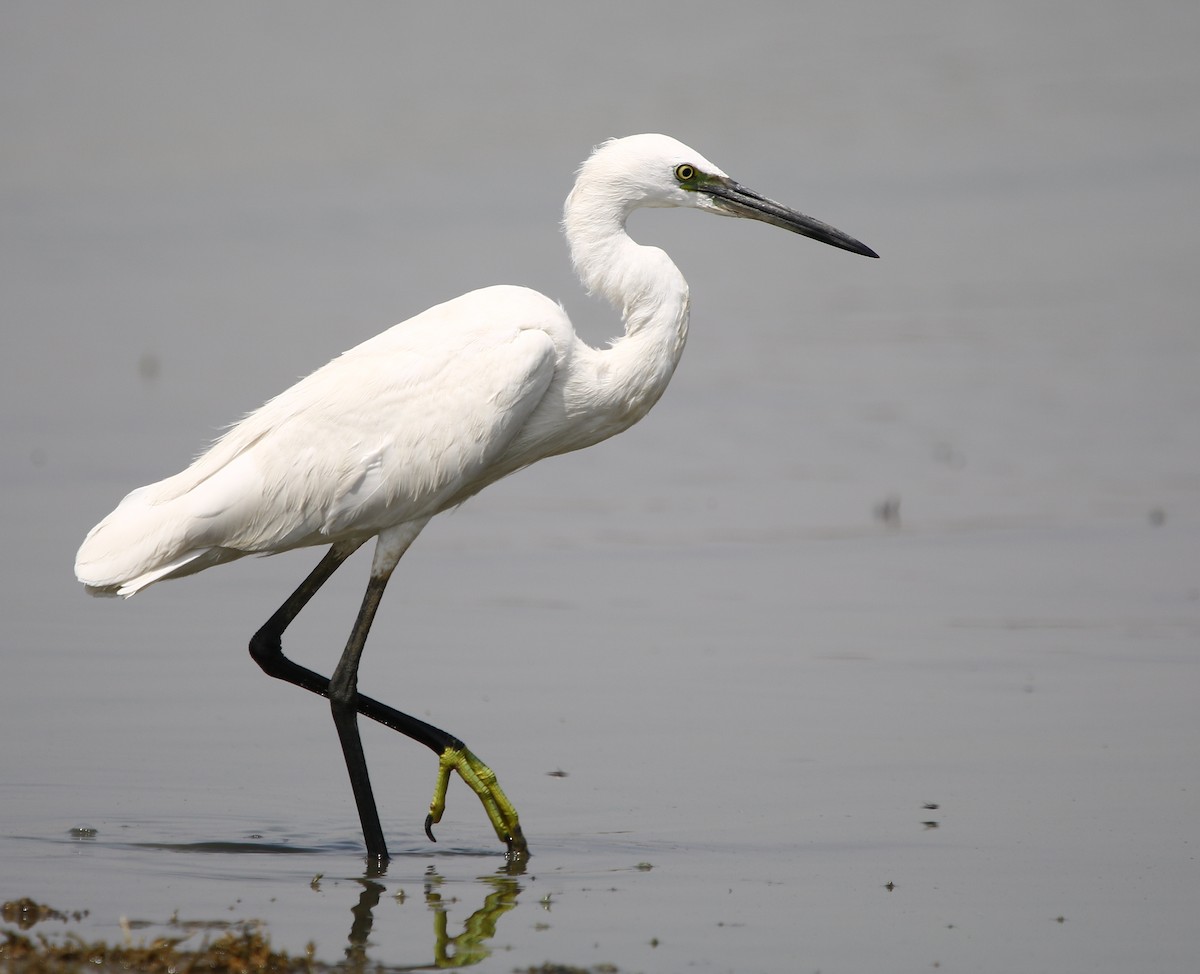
[
  {"x": 266, "y": 648},
  {"x": 453, "y": 755},
  {"x": 482, "y": 780},
  {"x": 343, "y": 703}
]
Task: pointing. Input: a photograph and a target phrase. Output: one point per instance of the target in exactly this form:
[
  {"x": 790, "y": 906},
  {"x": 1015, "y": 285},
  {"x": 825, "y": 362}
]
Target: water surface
[{"x": 903, "y": 533}]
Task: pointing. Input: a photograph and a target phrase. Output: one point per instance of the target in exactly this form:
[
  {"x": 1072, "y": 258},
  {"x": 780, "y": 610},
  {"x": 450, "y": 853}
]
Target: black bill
[{"x": 736, "y": 200}]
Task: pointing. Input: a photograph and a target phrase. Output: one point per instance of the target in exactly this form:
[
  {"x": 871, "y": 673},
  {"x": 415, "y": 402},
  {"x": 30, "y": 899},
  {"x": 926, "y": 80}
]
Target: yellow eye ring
[{"x": 685, "y": 173}]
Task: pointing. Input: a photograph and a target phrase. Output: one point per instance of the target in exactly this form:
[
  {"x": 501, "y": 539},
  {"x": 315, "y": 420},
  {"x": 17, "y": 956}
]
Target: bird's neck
[{"x": 642, "y": 283}]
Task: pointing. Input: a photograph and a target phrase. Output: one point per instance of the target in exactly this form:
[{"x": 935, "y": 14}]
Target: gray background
[{"x": 753, "y": 683}]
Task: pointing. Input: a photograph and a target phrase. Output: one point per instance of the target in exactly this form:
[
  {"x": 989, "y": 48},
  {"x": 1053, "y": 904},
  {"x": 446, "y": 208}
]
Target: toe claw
[{"x": 429, "y": 828}]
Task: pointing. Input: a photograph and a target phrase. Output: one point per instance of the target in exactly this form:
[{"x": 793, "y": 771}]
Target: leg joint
[{"x": 266, "y": 649}]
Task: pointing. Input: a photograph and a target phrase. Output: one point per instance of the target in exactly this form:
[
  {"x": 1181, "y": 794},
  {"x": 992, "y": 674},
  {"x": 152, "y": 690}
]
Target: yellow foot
[{"x": 482, "y": 781}]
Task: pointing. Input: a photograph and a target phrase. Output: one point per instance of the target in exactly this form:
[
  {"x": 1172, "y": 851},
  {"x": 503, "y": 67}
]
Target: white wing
[{"x": 394, "y": 430}]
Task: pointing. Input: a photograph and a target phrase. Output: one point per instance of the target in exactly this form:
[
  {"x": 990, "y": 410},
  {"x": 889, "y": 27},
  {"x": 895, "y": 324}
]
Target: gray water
[{"x": 908, "y": 532}]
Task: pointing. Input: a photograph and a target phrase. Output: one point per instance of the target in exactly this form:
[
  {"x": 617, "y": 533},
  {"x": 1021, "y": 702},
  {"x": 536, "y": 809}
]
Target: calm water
[{"x": 753, "y": 681}]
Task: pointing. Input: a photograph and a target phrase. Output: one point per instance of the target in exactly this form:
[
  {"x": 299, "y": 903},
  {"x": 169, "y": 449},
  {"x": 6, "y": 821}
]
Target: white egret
[{"x": 421, "y": 417}]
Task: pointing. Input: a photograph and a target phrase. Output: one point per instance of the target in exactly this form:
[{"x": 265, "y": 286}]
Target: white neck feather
[{"x": 640, "y": 282}]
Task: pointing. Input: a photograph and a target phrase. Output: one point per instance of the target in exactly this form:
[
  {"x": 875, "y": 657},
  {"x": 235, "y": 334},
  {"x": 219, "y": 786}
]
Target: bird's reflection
[
  {"x": 364, "y": 918},
  {"x": 470, "y": 946}
]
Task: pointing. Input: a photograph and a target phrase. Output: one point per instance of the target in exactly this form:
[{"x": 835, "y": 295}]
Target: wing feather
[{"x": 393, "y": 430}]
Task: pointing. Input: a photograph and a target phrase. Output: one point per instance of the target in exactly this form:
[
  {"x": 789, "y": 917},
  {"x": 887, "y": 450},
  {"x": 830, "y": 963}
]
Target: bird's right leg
[
  {"x": 266, "y": 645},
  {"x": 266, "y": 648}
]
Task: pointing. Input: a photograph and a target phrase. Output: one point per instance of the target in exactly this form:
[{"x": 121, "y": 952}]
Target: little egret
[{"x": 423, "y": 416}]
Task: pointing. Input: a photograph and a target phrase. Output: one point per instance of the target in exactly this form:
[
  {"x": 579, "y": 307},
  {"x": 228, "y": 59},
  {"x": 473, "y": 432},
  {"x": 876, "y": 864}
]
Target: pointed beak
[{"x": 735, "y": 200}]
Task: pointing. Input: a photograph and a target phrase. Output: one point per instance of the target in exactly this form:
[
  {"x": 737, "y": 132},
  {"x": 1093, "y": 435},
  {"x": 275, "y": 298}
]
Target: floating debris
[
  {"x": 25, "y": 912},
  {"x": 231, "y": 953}
]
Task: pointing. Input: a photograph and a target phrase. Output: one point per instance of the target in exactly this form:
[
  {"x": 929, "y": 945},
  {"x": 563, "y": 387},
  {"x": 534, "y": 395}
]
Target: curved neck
[{"x": 642, "y": 283}]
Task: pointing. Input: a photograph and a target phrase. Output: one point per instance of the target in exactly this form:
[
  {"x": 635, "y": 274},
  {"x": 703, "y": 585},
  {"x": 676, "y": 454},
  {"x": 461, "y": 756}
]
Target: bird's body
[
  {"x": 414, "y": 420},
  {"x": 391, "y": 432},
  {"x": 428, "y": 413}
]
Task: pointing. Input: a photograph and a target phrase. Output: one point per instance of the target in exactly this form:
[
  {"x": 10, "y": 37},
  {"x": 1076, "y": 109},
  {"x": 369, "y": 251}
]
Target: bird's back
[{"x": 393, "y": 430}]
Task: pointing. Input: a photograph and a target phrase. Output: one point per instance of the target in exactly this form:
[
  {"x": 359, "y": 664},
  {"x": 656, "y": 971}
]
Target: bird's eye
[{"x": 685, "y": 173}]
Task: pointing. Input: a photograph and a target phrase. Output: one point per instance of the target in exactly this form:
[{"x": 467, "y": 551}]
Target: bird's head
[{"x": 657, "y": 170}]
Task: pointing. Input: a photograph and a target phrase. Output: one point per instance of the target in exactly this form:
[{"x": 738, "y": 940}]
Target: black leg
[
  {"x": 343, "y": 689},
  {"x": 266, "y": 648}
]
